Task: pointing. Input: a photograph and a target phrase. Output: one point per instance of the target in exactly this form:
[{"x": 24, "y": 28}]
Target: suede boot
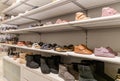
[
  {"x": 36, "y": 58},
  {"x": 63, "y": 73},
  {"x": 85, "y": 73},
  {"x": 30, "y": 62},
  {"x": 44, "y": 66},
  {"x": 53, "y": 63}
]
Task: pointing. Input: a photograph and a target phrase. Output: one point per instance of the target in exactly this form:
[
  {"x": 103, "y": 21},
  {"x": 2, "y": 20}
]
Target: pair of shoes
[
  {"x": 59, "y": 21},
  {"x": 80, "y": 16},
  {"x": 105, "y": 52},
  {"x": 107, "y": 11},
  {"x": 33, "y": 61},
  {"x": 21, "y": 43},
  {"x": 63, "y": 73},
  {"x": 86, "y": 71},
  {"x": 29, "y": 43},
  {"x": 50, "y": 64},
  {"x": 46, "y": 46},
  {"x": 36, "y": 45},
  {"x": 82, "y": 49}
]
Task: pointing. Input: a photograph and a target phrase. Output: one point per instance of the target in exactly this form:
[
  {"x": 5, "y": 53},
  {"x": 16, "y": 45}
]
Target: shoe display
[
  {"x": 82, "y": 49},
  {"x": 108, "y": 11},
  {"x": 29, "y": 43},
  {"x": 105, "y": 52},
  {"x": 63, "y": 73}
]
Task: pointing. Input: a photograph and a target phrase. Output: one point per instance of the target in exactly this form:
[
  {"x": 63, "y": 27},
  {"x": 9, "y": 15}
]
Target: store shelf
[
  {"x": 57, "y": 8},
  {"x": 115, "y": 60},
  {"x": 34, "y": 49},
  {"x": 100, "y": 22},
  {"x": 23, "y": 5},
  {"x": 93, "y": 23},
  {"x": 43, "y": 29}
]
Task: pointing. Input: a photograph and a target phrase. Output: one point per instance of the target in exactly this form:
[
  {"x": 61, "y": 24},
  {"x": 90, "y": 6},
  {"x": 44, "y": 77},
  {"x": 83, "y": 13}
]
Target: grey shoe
[{"x": 63, "y": 73}]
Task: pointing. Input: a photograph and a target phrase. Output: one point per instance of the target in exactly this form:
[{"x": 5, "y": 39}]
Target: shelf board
[
  {"x": 93, "y": 23},
  {"x": 44, "y": 29},
  {"x": 115, "y": 60},
  {"x": 21, "y": 6},
  {"x": 56, "y": 8},
  {"x": 99, "y": 22},
  {"x": 34, "y": 49}
]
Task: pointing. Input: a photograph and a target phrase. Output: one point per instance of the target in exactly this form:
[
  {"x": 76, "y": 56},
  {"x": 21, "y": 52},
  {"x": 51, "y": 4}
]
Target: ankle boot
[
  {"x": 63, "y": 73},
  {"x": 30, "y": 62},
  {"x": 53, "y": 63},
  {"x": 44, "y": 66},
  {"x": 36, "y": 58},
  {"x": 85, "y": 73},
  {"x": 72, "y": 70}
]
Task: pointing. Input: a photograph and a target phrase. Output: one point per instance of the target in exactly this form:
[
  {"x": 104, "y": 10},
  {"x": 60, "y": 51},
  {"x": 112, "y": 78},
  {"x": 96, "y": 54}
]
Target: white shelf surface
[
  {"x": 115, "y": 60},
  {"x": 93, "y": 23},
  {"x": 20, "y": 7},
  {"x": 57, "y": 8},
  {"x": 34, "y": 49},
  {"x": 43, "y": 29},
  {"x": 99, "y": 22}
]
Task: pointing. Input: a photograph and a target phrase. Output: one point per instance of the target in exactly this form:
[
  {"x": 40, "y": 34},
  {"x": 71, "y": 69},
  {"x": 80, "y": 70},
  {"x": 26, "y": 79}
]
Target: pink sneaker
[
  {"x": 107, "y": 11},
  {"x": 105, "y": 52}
]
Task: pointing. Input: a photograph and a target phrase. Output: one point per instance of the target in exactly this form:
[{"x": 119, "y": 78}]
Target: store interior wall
[{"x": 96, "y": 37}]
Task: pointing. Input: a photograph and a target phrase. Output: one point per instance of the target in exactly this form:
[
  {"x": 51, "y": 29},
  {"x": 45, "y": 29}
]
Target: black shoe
[
  {"x": 53, "y": 63},
  {"x": 44, "y": 67},
  {"x": 30, "y": 62}
]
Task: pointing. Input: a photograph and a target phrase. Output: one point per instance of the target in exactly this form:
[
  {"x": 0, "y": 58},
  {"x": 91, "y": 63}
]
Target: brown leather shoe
[{"x": 82, "y": 49}]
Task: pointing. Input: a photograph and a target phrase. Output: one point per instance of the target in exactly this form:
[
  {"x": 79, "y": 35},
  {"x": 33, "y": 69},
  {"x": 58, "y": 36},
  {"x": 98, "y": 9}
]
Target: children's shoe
[
  {"x": 63, "y": 73},
  {"x": 82, "y": 49},
  {"x": 107, "y": 11},
  {"x": 104, "y": 52}
]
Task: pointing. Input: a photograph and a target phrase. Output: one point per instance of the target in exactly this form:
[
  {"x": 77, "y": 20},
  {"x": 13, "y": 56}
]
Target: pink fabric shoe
[
  {"x": 107, "y": 11},
  {"x": 105, "y": 52}
]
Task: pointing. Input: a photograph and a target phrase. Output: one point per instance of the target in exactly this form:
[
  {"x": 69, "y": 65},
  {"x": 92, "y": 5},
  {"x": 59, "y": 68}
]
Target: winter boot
[
  {"x": 85, "y": 73},
  {"x": 44, "y": 66},
  {"x": 63, "y": 73}
]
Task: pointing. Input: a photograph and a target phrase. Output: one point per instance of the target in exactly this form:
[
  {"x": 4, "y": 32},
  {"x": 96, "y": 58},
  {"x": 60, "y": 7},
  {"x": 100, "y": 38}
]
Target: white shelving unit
[
  {"x": 37, "y": 72},
  {"x": 115, "y": 60},
  {"x": 56, "y": 8},
  {"x": 93, "y": 23}
]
